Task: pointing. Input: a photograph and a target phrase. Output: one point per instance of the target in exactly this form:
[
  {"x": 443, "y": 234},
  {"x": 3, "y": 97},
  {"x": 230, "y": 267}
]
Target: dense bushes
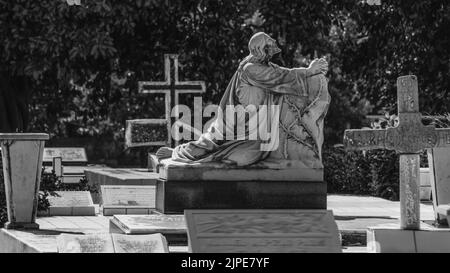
[{"x": 363, "y": 173}]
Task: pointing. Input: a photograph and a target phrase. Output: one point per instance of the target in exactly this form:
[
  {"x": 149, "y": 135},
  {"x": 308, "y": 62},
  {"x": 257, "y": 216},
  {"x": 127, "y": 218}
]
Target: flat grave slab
[
  {"x": 148, "y": 224},
  {"x": 111, "y": 243},
  {"x": 153, "y": 243},
  {"x": 122, "y": 176},
  {"x": 262, "y": 231},
  {"x": 70, "y": 203},
  {"x": 92, "y": 243},
  {"x": 392, "y": 239},
  {"x": 128, "y": 199}
]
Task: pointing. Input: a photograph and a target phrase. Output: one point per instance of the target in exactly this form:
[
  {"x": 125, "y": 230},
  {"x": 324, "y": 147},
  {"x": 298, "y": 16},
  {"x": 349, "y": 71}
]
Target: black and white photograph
[{"x": 247, "y": 127}]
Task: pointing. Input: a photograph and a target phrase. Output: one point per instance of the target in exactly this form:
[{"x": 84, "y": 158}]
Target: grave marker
[
  {"x": 154, "y": 243},
  {"x": 171, "y": 87},
  {"x": 70, "y": 203},
  {"x": 128, "y": 199},
  {"x": 263, "y": 231},
  {"x": 95, "y": 243},
  {"x": 148, "y": 224},
  {"x": 409, "y": 138}
]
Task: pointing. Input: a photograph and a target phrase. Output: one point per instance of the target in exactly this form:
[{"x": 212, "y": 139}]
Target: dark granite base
[{"x": 173, "y": 197}]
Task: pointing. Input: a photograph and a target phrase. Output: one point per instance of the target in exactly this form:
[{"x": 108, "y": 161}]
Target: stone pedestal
[
  {"x": 266, "y": 185},
  {"x": 22, "y": 163}
]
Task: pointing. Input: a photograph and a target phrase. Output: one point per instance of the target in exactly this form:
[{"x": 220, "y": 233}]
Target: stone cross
[
  {"x": 171, "y": 87},
  {"x": 409, "y": 138}
]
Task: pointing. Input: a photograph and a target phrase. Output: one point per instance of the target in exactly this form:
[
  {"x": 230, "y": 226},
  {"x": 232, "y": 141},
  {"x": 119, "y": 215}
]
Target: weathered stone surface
[
  {"x": 149, "y": 224},
  {"x": 67, "y": 154},
  {"x": 269, "y": 170},
  {"x": 92, "y": 243},
  {"x": 131, "y": 199},
  {"x": 263, "y": 231},
  {"x": 439, "y": 163},
  {"x": 154, "y": 243},
  {"x": 392, "y": 239},
  {"x": 123, "y": 176},
  {"x": 22, "y": 161},
  {"x": 70, "y": 203}
]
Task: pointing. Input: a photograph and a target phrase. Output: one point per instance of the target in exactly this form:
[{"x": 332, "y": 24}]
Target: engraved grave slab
[
  {"x": 262, "y": 231},
  {"x": 128, "y": 199},
  {"x": 154, "y": 243},
  {"x": 67, "y": 154},
  {"x": 96, "y": 243},
  {"x": 149, "y": 224}
]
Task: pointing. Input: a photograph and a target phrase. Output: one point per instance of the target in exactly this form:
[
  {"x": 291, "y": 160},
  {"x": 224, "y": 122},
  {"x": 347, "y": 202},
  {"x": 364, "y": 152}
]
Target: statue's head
[{"x": 262, "y": 47}]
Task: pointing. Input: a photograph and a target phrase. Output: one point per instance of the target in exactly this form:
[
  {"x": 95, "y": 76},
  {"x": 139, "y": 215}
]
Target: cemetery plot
[
  {"x": 148, "y": 224},
  {"x": 70, "y": 203},
  {"x": 111, "y": 243},
  {"x": 128, "y": 200},
  {"x": 262, "y": 231},
  {"x": 154, "y": 243},
  {"x": 409, "y": 138}
]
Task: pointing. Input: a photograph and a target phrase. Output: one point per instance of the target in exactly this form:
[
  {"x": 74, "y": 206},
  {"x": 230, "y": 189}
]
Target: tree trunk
[{"x": 14, "y": 100}]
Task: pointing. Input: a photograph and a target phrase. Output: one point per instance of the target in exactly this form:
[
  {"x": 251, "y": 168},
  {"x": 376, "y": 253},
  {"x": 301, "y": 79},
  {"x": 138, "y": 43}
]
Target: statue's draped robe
[{"x": 253, "y": 84}]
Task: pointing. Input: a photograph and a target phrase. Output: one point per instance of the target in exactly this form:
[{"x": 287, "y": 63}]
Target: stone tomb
[
  {"x": 111, "y": 243},
  {"x": 271, "y": 184},
  {"x": 262, "y": 231},
  {"x": 173, "y": 227},
  {"x": 128, "y": 200},
  {"x": 69, "y": 203},
  {"x": 117, "y": 177}
]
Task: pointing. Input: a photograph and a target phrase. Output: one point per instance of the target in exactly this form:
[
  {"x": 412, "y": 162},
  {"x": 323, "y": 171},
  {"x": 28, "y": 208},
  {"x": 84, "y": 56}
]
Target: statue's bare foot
[{"x": 164, "y": 152}]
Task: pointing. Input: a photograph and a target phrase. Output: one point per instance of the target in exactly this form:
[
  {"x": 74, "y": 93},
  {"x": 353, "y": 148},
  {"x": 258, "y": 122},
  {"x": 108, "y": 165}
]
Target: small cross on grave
[
  {"x": 409, "y": 138},
  {"x": 171, "y": 87}
]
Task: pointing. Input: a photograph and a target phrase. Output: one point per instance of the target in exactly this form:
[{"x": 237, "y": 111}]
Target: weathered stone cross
[
  {"x": 409, "y": 138},
  {"x": 171, "y": 87}
]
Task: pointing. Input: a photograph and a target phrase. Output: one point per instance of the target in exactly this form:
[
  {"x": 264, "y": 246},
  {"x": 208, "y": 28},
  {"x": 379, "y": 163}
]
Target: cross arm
[{"x": 365, "y": 139}]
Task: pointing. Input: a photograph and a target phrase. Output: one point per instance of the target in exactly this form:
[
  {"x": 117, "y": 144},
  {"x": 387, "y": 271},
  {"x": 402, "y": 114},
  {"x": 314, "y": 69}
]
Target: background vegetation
[{"x": 72, "y": 70}]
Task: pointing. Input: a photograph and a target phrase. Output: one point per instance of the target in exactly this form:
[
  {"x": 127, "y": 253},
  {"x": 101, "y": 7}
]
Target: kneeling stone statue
[
  {"x": 295, "y": 126},
  {"x": 281, "y": 169}
]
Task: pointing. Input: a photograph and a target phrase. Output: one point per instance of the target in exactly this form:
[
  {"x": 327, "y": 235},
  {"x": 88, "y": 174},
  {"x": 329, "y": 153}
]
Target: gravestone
[
  {"x": 144, "y": 132},
  {"x": 111, "y": 243},
  {"x": 262, "y": 231},
  {"x": 173, "y": 227},
  {"x": 119, "y": 177},
  {"x": 93, "y": 243},
  {"x": 128, "y": 200},
  {"x": 70, "y": 203},
  {"x": 154, "y": 243},
  {"x": 147, "y": 224},
  {"x": 409, "y": 138},
  {"x": 69, "y": 163}
]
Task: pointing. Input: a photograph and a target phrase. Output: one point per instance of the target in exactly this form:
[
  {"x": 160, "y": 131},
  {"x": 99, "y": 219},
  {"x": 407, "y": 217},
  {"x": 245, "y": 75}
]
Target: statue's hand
[
  {"x": 164, "y": 152},
  {"x": 318, "y": 66}
]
